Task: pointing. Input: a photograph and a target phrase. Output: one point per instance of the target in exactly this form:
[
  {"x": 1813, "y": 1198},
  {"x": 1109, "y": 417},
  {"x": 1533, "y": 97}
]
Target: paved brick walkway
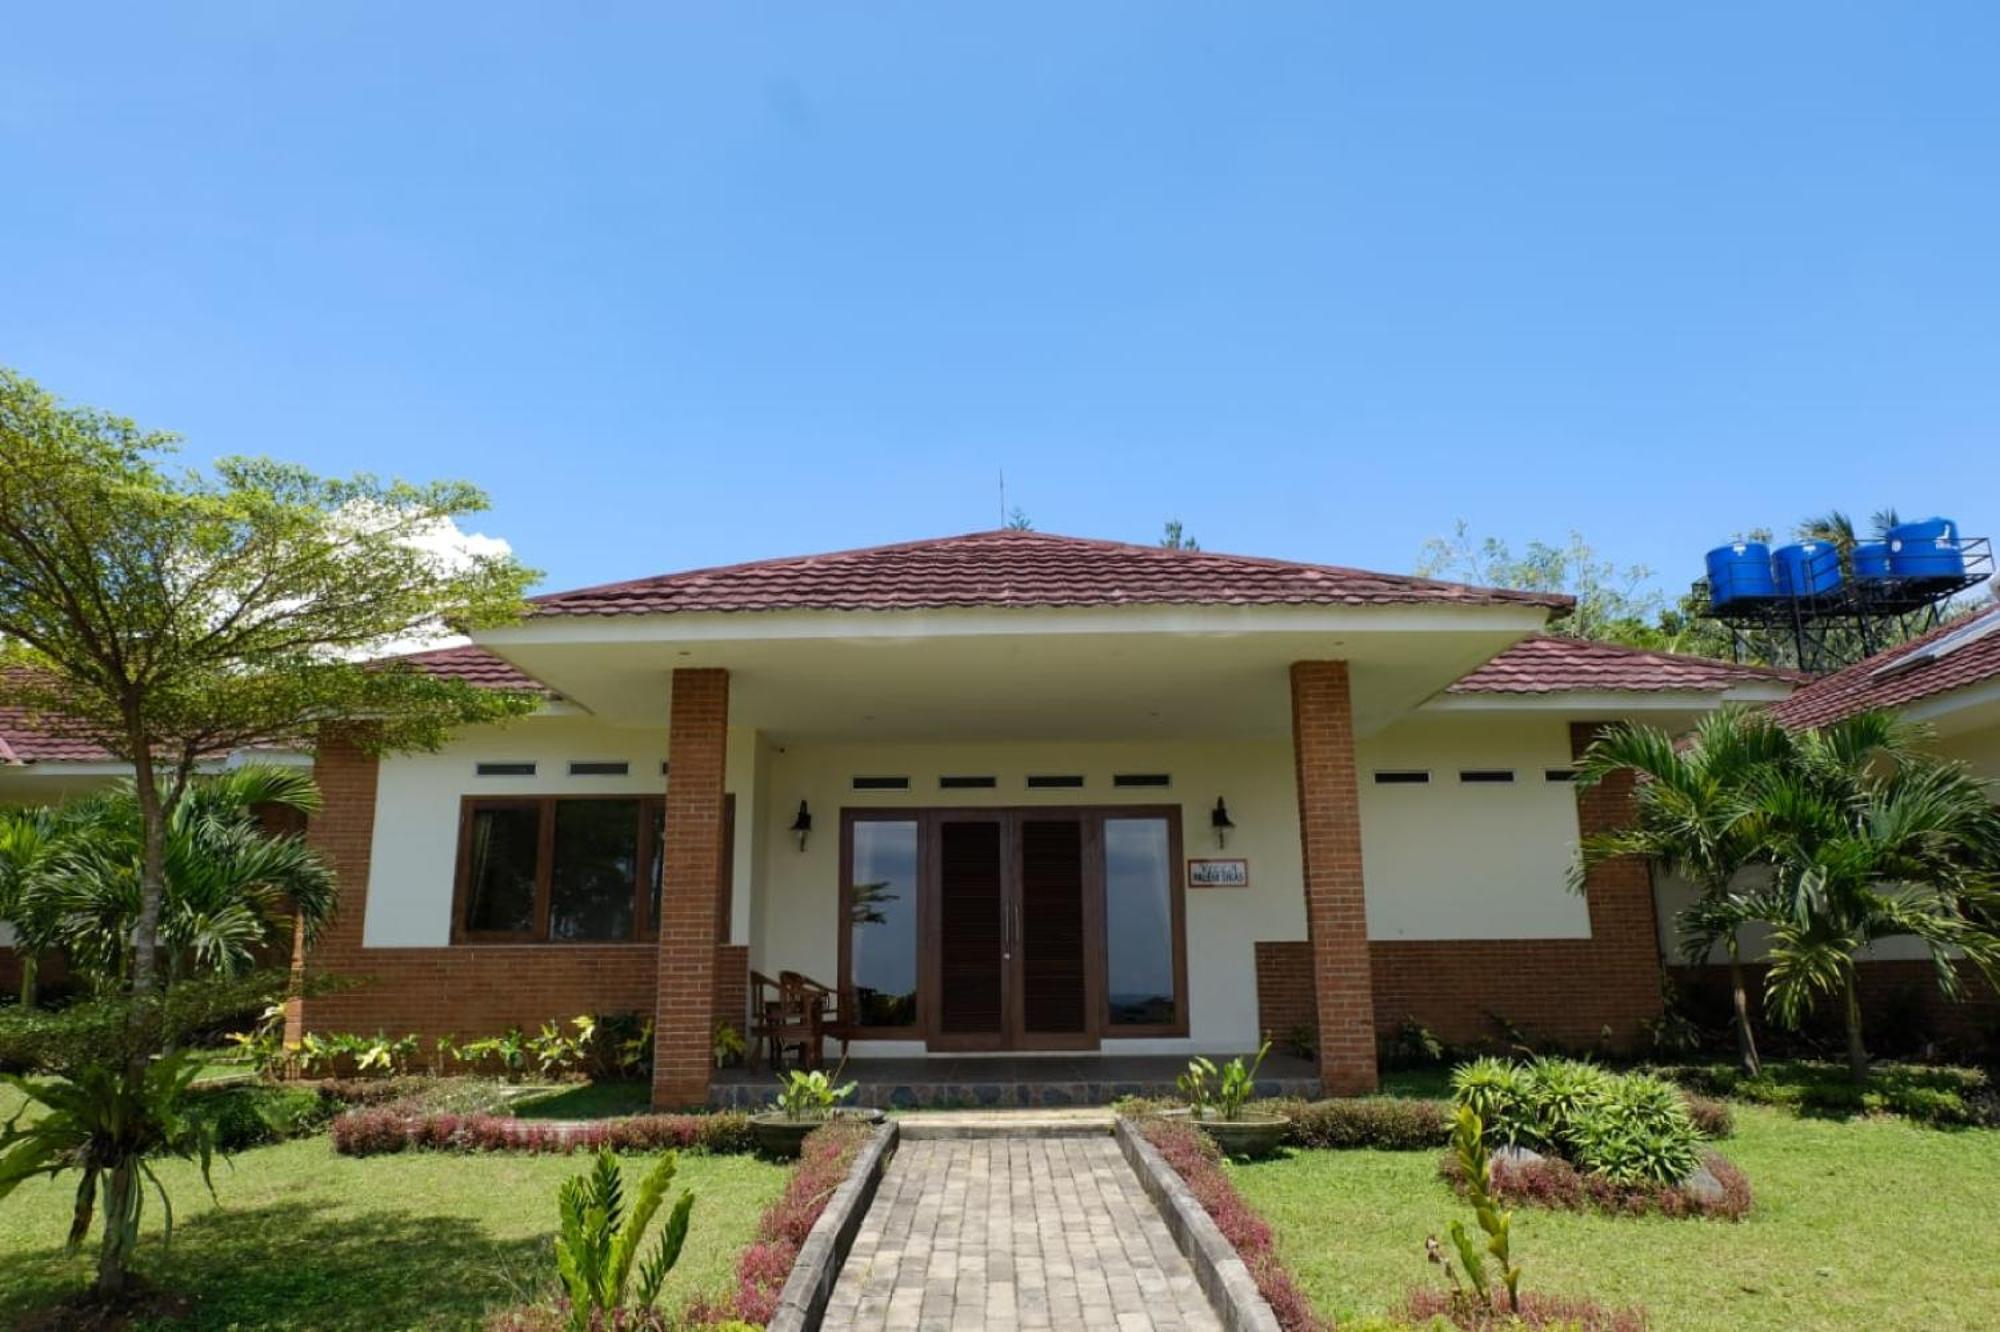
[{"x": 1005, "y": 1233}]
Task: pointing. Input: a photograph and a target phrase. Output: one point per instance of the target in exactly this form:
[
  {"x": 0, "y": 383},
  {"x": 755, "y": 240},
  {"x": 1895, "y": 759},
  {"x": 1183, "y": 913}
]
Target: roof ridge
[{"x": 1554, "y": 601}]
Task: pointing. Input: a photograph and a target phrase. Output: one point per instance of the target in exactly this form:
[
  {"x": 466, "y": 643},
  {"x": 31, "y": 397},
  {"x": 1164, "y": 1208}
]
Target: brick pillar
[
  {"x": 1624, "y": 923},
  {"x": 697, "y": 742},
  {"x": 344, "y": 832},
  {"x": 1330, "y": 842}
]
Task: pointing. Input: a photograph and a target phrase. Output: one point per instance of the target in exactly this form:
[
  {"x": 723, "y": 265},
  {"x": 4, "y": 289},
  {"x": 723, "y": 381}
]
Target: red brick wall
[
  {"x": 1285, "y": 988},
  {"x": 1974, "y": 1021},
  {"x": 1569, "y": 990},
  {"x": 732, "y": 986},
  {"x": 465, "y": 991},
  {"x": 697, "y": 744},
  {"x": 1330, "y": 843}
]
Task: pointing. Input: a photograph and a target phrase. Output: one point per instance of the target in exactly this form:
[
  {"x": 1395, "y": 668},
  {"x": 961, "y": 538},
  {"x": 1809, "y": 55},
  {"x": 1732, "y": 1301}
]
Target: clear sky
[{"x": 688, "y": 284}]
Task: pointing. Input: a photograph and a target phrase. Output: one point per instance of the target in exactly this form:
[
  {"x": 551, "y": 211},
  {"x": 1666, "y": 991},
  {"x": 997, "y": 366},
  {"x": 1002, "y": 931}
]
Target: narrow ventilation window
[
  {"x": 505, "y": 769},
  {"x": 1559, "y": 774},
  {"x": 1486, "y": 776},
  {"x": 1402, "y": 777},
  {"x": 592, "y": 768},
  {"x": 1054, "y": 781},
  {"x": 967, "y": 783},
  {"x": 1142, "y": 779},
  {"x": 881, "y": 783}
]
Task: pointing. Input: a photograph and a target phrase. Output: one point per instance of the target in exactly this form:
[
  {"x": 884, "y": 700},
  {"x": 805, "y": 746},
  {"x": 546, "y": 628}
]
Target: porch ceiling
[{"x": 1046, "y": 676}]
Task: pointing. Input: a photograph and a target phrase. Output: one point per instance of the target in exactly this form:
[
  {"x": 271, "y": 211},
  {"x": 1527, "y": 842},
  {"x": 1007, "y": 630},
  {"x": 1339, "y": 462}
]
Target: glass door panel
[
  {"x": 1140, "y": 938},
  {"x": 882, "y": 905}
]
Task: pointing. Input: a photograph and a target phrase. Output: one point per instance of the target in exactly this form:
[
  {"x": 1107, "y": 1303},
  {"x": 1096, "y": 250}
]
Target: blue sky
[{"x": 690, "y": 284}]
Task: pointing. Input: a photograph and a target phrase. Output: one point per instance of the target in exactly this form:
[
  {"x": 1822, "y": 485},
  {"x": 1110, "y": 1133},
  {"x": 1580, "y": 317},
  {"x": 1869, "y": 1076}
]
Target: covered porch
[{"x": 996, "y": 837}]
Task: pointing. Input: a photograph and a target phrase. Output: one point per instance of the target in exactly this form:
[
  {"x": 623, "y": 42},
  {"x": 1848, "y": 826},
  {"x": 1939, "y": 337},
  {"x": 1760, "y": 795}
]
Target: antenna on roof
[{"x": 1003, "y": 497}]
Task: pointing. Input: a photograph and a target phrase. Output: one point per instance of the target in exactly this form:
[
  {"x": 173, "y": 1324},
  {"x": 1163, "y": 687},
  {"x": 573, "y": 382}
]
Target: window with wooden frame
[{"x": 557, "y": 869}]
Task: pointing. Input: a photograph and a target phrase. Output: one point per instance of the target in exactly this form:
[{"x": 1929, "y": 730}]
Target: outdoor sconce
[
  {"x": 1221, "y": 822},
  {"x": 802, "y": 826}
]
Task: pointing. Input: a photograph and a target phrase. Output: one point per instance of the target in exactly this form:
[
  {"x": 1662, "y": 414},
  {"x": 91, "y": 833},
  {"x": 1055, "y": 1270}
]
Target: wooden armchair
[{"x": 796, "y": 1010}]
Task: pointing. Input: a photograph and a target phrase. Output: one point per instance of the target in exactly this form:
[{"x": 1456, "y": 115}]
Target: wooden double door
[{"x": 1013, "y": 931}]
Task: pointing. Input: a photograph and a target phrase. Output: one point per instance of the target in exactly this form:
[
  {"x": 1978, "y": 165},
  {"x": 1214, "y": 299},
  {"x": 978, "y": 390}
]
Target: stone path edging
[
  {"x": 802, "y": 1302},
  {"x": 1224, "y": 1276}
]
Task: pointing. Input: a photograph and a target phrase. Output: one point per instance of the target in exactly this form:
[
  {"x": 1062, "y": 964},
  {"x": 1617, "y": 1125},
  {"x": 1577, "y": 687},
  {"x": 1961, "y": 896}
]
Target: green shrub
[
  {"x": 1936, "y": 1094},
  {"x": 242, "y": 1117},
  {"x": 1629, "y": 1128},
  {"x": 1385, "y": 1123}
]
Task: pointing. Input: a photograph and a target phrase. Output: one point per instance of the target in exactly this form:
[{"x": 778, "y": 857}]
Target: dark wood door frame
[{"x": 930, "y": 973}]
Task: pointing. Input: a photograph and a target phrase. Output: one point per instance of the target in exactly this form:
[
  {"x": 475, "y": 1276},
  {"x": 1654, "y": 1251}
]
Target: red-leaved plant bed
[
  {"x": 378, "y": 1130},
  {"x": 1537, "y": 1311},
  {"x": 761, "y": 1269},
  {"x": 1196, "y": 1159},
  {"x": 1554, "y": 1183}
]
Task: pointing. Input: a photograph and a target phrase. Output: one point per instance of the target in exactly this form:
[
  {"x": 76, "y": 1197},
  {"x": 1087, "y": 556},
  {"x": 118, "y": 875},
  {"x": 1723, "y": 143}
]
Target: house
[{"x": 1010, "y": 792}]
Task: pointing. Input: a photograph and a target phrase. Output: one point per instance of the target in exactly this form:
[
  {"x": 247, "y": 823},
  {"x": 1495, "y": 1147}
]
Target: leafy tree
[
  {"x": 233, "y": 885},
  {"x": 1018, "y": 520},
  {"x": 1613, "y": 604},
  {"x": 1175, "y": 537},
  {"x": 1873, "y": 839},
  {"x": 1696, "y": 814},
  {"x": 172, "y": 615}
]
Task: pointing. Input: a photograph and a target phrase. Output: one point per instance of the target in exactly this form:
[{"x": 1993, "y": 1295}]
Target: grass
[
  {"x": 302, "y": 1238},
  {"x": 584, "y": 1100},
  {"x": 1874, "y": 1223}
]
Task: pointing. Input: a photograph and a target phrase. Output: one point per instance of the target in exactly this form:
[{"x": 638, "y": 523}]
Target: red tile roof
[
  {"x": 472, "y": 663},
  {"x": 1551, "y": 664},
  {"x": 39, "y": 740},
  {"x": 1868, "y": 685},
  {"x": 1018, "y": 569}
]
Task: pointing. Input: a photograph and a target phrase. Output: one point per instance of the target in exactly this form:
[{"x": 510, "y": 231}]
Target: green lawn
[
  {"x": 302, "y": 1238},
  {"x": 1866, "y": 1223}
]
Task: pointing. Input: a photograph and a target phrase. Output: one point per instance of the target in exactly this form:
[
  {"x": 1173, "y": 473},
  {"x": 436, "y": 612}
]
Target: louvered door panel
[
  {"x": 970, "y": 903},
  {"x": 1052, "y": 927}
]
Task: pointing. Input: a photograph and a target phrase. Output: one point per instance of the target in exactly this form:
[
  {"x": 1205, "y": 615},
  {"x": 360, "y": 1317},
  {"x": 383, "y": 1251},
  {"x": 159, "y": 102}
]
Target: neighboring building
[{"x": 1012, "y": 749}]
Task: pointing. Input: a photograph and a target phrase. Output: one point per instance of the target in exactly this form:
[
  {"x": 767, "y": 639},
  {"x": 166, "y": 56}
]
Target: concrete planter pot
[
  {"x": 1252, "y": 1134},
  {"x": 779, "y": 1135}
]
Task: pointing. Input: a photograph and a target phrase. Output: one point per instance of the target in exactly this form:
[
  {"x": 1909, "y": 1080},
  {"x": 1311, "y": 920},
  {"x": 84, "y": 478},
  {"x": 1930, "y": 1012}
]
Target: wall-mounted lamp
[
  {"x": 802, "y": 826},
  {"x": 1221, "y": 822}
]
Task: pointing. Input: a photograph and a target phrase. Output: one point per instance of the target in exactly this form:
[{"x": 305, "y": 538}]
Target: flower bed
[
  {"x": 761, "y": 1270},
  {"x": 374, "y": 1131},
  {"x": 1553, "y": 1182},
  {"x": 1198, "y": 1162},
  {"x": 1385, "y": 1123}
]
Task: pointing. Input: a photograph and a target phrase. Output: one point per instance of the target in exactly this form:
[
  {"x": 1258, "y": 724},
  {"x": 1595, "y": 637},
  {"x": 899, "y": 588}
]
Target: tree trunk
[
  {"x": 1739, "y": 998},
  {"x": 31, "y": 978},
  {"x": 1857, "y": 1052},
  {"x": 121, "y": 1201},
  {"x": 152, "y": 871}
]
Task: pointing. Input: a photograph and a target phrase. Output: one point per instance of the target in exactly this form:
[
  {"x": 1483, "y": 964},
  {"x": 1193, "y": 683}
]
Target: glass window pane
[
  {"x": 596, "y": 867},
  {"x": 656, "y": 871},
  {"x": 883, "y": 923},
  {"x": 501, "y": 873},
  {"x": 1138, "y": 922}
]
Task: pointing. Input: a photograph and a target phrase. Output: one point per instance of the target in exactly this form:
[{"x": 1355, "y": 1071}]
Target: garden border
[
  {"x": 802, "y": 1301},
  {"x": 1224, "y": 1276}
]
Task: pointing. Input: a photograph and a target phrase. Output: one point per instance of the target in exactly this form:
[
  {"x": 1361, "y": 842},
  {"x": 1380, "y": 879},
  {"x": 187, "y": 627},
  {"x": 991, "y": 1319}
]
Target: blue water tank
[
  {"x": 1926, "y": 550},
  {"x": 1740, "y": 572},
  {"x": 1806, "y": 569},
  {"x": 1871, "y": 560}
]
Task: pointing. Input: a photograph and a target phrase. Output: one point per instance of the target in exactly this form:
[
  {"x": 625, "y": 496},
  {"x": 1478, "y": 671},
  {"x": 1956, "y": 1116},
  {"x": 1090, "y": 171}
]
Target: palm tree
[
  {"x": 233, "y": 885},
  {"x": 1872, "y": 839},
  {"x": 28, "y": 843},
  {"x": 1696, "y": 815},
  {"x": 1836, "y": 528}
]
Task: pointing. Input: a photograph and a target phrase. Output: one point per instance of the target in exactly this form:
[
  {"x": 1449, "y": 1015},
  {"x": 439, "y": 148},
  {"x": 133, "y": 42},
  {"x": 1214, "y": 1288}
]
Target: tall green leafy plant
[
  {"x": 1468, "y": 1148},
  {"x": 599, "y": 1242},
  {"x": 29, "y": 841},
  {"x": 234, "y": 886},
  {"x": 1871, "y": 839},
  {"x": 1221, "y": 1093},
  {"x": 1697, "y": 813}
]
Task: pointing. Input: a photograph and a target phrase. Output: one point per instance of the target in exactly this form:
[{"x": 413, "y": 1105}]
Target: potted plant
[
  {"x": 1219, "y": 1099},
  {"x": 805, "y": 1101}
]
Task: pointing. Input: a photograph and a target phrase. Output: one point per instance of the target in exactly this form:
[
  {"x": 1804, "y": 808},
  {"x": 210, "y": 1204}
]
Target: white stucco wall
[
  {"x": 1455, "y": 860},
  {"x": 417, "y": 803}
]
